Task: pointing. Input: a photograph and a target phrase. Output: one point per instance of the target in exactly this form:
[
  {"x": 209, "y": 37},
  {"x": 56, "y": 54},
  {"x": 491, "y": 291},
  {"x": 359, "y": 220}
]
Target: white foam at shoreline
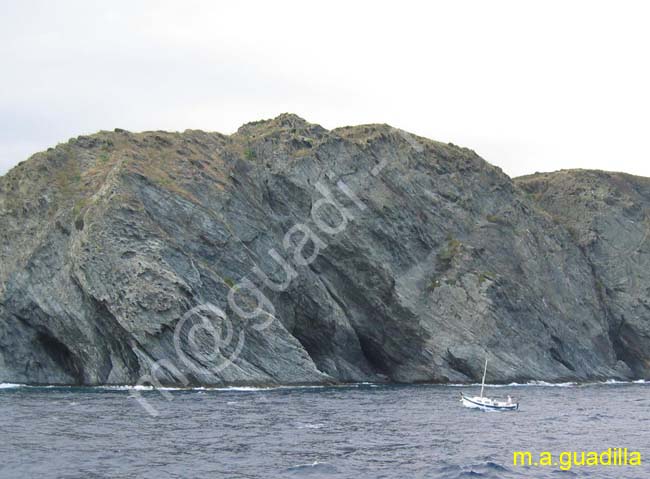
[
  {"x": 515, "y": 385},
  {"x": 198, "y": 388},
  {"x": 10, "y": 386},
  {"x": 549, "y": 385},
  {"x": 151, "y": 388},
  {"x": 271, "y": 388}
]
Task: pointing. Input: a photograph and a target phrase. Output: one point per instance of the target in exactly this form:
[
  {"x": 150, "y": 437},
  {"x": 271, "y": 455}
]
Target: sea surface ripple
[{"x": 359, "y": 431}]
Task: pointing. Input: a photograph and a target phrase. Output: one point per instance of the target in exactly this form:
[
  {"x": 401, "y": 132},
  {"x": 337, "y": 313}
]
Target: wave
[
  {"x": 315, "y": 467},
  {"x": 172, "y": 388},
  {"x": 616, "y": 381},
  {"x": 534, "y": 383},
  {"x": 311, "y": 426},
  {"x": 121, "y": 387},
  {"x": 11, "y": 386},
  {"x": 547, "y": 384},
  {"x": 516, "y": 385},
  {"x": 272, "y": 388},
  {"x": 551, "y": 385}
]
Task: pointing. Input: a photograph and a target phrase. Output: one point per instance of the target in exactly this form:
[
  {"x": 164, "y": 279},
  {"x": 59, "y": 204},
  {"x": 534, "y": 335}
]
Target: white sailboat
[{"x": 487, "y": 404}]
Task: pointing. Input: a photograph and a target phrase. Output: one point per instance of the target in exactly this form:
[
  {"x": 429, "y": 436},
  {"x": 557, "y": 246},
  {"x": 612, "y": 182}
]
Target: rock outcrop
[
  {"x": 286, "y": 253},
  {"x": 608, "y": 217}
]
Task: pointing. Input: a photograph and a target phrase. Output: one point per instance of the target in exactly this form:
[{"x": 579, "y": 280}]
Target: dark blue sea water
[{"x": 360, "y": 431}]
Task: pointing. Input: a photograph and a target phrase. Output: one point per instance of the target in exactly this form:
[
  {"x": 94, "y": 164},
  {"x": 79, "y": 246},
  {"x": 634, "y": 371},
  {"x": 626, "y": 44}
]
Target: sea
[{"x": 356, "y": 431}]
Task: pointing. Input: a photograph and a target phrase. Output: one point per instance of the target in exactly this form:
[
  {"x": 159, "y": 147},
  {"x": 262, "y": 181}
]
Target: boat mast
[{"x": 483, "y": 382}]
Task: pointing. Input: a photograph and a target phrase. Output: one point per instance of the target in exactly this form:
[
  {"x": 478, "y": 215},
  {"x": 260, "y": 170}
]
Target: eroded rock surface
[{"x": 429, "y": 260}]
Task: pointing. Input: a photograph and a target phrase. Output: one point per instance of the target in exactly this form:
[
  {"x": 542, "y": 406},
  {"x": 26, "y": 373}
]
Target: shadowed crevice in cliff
[
  {"x": 462, "y": 366},
  {"x": 62, "y": 356},
  {"x": 631, "y": 347}
]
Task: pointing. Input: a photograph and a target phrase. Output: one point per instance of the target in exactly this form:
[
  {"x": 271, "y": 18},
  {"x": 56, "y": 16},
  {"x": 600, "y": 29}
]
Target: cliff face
[
  {"x": 608, "y": 216},
  {"x": 376, "y": 255}
]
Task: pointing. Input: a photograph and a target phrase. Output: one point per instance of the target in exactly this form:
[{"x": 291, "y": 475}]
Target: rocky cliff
[{"x": 287, "y": 253}]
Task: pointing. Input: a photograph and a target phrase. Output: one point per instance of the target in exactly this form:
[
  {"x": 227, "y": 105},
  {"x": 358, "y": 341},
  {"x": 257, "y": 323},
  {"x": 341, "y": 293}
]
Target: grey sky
[{"x": 529, "y": 86}]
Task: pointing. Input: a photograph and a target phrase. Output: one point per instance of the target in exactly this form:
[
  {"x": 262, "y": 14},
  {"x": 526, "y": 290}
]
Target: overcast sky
[{"x": 531, "y": 86}]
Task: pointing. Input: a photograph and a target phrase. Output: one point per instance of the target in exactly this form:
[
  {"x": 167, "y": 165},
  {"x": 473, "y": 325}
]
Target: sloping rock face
[
  {"x": 286, "y": 253},
  {"x": 608, "y": 216}
]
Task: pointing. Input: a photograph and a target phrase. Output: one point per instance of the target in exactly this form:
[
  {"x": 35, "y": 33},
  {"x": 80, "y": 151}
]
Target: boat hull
[{"x": 487, "y": 405}]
